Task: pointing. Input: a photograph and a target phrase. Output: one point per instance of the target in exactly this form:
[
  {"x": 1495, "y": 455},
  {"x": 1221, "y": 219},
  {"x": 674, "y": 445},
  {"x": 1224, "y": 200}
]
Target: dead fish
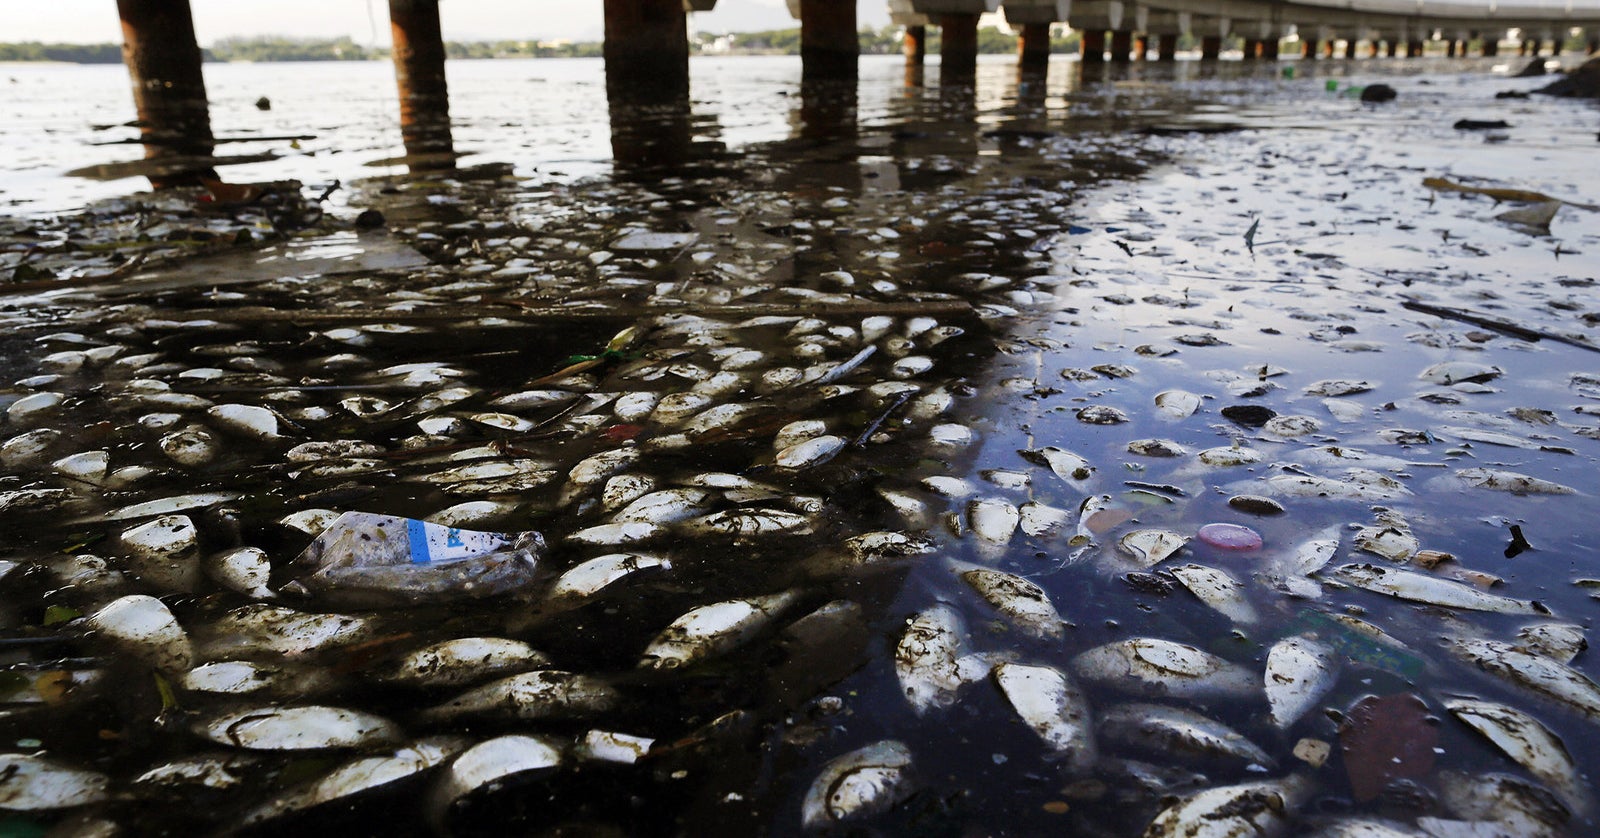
[
  {"x": 1511, "y": 805},
  {"x": 1053, "y": 707},
  {"x": 1333, "y": 387},
  {"x": 1458, "y": 372},
  {"x": 35, "y": 784},
  {"x": 624, "y": 489},
  {"x": 163, "y": 551},
  {"x": 311, "y": 727},
  {"x": 1073, "y": 468},
  {"x": 1248, "y": 809},
  {"x": 870, "y": 551},
  {"x": 926, "y": 658},
  {"x": 610, "y": 746},
  {"x": 273, "y": 630},
  {"x": 1300, "y": 671},
  {"x": 812, "y": 452},
  {"x": 245, "y": 570},
  {"x": 215, "y": 771},
  {"x": 595, "y": 575},
  {"x": 667, "y": 506},
  {"x": 1217, "y": 589},
  {"x": 246, "y": 677},
  {"x": 1291, "y": 572},
  {"x": 1230, "y": 456},
  {"x": 189, "y": 447},
  {"x": 145, "y": 627},
  {"x": 747, "y": 522},
  {"x": 1358, "y": 484},
  {"x": 540, "y": 694},
  {"x": 993, "y": 520},
  {"x": 461, "y": 661},
  {"x": 1560, "y": 642},
  {"x": 29, "y": 449},
  {"x": 857, "y": 785},
  {"x": 714, "y": 629},
  {"x": 1553, "y": 680},
  {"x": 1500, "y": 480},
  {"x": 612, "y": 535},
  {"x": 1423, "y": 587},
  {"x": 1149, "y": 548},
  {"x": 1157, "y": 448},
  {"x": 246, "y": 420},
  {"x": 1174, "y": 732},
  {"x": 1390, "y": 538},
  {"x": 1155, "y": 667},
  {"x": 1024, "y": 603},
  {"x": 1529, "y": 744},
  {"x": 357, "y": 776},
  {"x": 1039, "y": 519},
  {"x": 486, "y": 764},
  {"x": 168, "y": 505}
]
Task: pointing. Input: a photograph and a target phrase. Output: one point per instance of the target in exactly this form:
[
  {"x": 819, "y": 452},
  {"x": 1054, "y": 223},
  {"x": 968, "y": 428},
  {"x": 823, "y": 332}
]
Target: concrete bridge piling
[
  {"x": 169, "y": 91},
  {"x": 419, "y": 72}
]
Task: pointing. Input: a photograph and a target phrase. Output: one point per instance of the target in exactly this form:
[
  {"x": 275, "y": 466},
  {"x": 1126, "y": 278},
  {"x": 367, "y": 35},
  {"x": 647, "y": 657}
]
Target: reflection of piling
[
  {"x": 647, "y": 46},
  {"x": 1210, "y": 47},
  {"x": 916, "y": 44},
  {"x": 651, "y": 134},
  {"x": 1092, "y": 46},
  {"x": 163, "y": 59},
  {"x": 829, "y": 45},
  {"x": 1033, "y": 47},
  {"x": 419, "y": 71},
  {"x": 1414, "y": 49},
  {"x": 1121, "y": 45},
  {"x": 1167, "y": 46},
  {"x": 958, "y": 47}
]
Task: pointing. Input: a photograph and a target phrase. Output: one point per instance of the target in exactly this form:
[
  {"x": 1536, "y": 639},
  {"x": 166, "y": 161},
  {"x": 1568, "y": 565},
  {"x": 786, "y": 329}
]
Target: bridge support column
[
  {"x": 1414, "y": 49},
  {"x": 647, "y": 46},
  {"x": 1252, "y": 49},
  {"x": 1308, "y": 49},
  {"x": 424, "y": 97},
  {"x": 828, "y": 42},
  {"x": 1167, "y": 46},
  {"x": 1373, "y": 49},
  {"x": 169, "y": 93},
  {"x": 1210, "y": 47},
  {"x": 958, "y": 51},
  {"x": 1269, "y": 49},
  {"x": 1450, "y": 48},
  {"x": 1594, "y": 44},
  {"x": 1491, "y": 44},
  {"x": 1092, "y": 46},
  {"x": 1555, "y": 46},
  {"x": 1350, "y": 48},
  {"x": 1391, "y": 48},
  {"x": 1121, "y": 46},
  {"x": 915, "y": 44},
  {"x": 1033, "y": 47}
]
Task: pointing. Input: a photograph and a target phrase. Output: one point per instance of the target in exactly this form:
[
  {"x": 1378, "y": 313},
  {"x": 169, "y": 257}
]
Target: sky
[{"x": 366, "y": 21}]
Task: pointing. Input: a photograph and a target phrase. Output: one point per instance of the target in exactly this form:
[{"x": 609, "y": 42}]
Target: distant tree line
[{"x": 74, "y": 53}]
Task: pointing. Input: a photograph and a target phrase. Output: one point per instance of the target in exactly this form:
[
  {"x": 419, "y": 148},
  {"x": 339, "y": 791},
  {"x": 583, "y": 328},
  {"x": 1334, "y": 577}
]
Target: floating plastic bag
[{"x": 367, "y": 557}]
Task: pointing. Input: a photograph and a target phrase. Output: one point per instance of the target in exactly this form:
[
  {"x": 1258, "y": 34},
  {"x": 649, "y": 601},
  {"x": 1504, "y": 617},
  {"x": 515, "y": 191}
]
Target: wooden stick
[{"x": 1497, "y": 324}]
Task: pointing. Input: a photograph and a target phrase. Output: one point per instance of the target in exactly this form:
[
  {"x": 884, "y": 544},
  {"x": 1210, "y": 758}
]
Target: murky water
[{"x": 934, "y": 279}]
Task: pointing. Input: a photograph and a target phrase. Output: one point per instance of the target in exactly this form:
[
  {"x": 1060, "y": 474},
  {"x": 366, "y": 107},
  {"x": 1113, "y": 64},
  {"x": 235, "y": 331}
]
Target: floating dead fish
[
  {"x": 1390, "y": 538},
  {"x": 487, "y": 764},
  {"x": 274, "y": 630},
  {"x": 1221, "y": 592},
  {"x": 865, "y": 782},
  {"x": 1300, "y": 671},
  {"x": 1039, "y": 519},
  {"x": 1556, "y": 681},
  {"x": 213, "y": 771},
  {"x": 1333, "y": 387},
  {"x": 1529, "y": 744},
  {"x": 667, "y": 506},
  {"x": 873, "y": 550},
  {"x": 595, "y": 575},
  {"x": 1558, "y": 641},
  {"x": 812, "y": 452},
  {"x": 1422, "y": 587},
  {"x": 86, "y": 467},
  {"x": 1359, "y": 484},
  {"x": 926, "y": 659},
  {"x": 1233, "y": 455},
  {"x": 163, "y": 551},
  {"x": 145, "y": 627},
  {"x": 311, "y": 727},
  {"x": 32, "y": 784},
  {"x": 1458, "y": 372},
  {"x": 1053, "y": 707},
  {"x": 357, "y": 776},
  {"x": 1065, "y": 464},
  {"x": 993, "y": 520},
  {"x": 609, "y": 746},
  {"x": 1157, "y": 448},
  {"x": 540, "y": 694},
  {"x": 1100, "y": 414},
  {"x": 1176, "y": 733},
  {"x": 246, "y": 677},
  {"x": 1231, "y": 811},
  {"x": 646, "y": 240},
  {"x": 611, "y": 535},
  {"x": 1499, "y": 480},
  {"x": 29, "y": 449},
  {"x": 246, "y": 420},
  {"x": 1508, "y": 805},
  {"x": 245, "y": 570},
  {"x": 749, "y": 522},
  {"x": 712, "y": 630},
  {"x": 1162, "y": 668},
  {"x": 461, "y": 661},
  {"x": 1149, "y": 548},
  {"x": 1024, "y": 603},
  {"x": 168, "y": 506}
]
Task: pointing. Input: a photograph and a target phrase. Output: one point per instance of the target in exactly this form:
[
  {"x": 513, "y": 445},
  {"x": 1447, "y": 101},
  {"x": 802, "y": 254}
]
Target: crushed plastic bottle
[{"x": 368, "y": 558}]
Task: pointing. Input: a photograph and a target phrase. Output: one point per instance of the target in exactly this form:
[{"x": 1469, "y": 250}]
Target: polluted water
[{"x": 1021, "y": 456}]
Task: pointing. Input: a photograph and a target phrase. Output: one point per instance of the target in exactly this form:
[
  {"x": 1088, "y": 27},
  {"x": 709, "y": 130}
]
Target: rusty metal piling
[
  {"x": 169, "y": 92},
  {"x": 424, "y": 96},
  {"x": 916, "y": 44}
]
